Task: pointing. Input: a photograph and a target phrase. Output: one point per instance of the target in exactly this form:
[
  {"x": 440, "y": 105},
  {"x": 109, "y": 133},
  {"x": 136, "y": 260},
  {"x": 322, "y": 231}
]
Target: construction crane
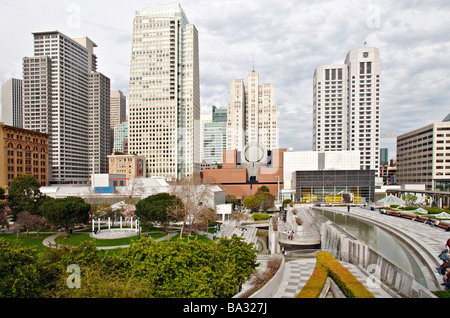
[{"x": 390, "y": 135}]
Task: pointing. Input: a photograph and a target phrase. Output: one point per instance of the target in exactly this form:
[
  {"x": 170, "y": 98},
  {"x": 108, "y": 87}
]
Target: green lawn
[
  {"x": 77, "y": 237},
  {"x": 31, "y": 240}
]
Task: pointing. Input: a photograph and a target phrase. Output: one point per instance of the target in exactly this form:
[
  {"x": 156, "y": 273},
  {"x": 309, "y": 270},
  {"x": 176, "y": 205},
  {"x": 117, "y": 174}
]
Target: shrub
[
  {"x": 260, "y": 216},
  {"x": 327, "y": 265},
  {"x": 315, "y": 283}
]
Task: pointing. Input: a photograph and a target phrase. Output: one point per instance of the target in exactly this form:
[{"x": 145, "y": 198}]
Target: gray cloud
[{"x": 288, "y": 40}]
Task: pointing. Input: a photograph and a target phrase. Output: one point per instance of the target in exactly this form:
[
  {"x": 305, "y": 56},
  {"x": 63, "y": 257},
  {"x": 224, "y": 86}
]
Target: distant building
[
  {"x": 118, "y": 115},
  {"x": 294, "y": 161},
  {"x": 252, "y": 118},
  {"x": 346, "y": 106},
  {"x": 335, "y": 186},
  {"x": 99, "y": 122},
  {"x": 56, "y": 100},
  {"x": 164, "y": 92},
  {"x": 241, "y": 176},
  {"x": 120, "y": 136},
  {"x": 215, "y": 136},
  {"x": 131, "y": 166},
  {"x": 384, "y": 156},
  {"x": 12, "y": 114},
  {"x": 23, "y": 151},
  {"x": 423, "y": 155}
]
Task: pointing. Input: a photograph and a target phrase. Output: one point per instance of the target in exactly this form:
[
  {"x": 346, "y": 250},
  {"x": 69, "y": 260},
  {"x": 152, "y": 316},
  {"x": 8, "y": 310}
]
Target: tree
[
  {"x": 253, "y": 202},
  {"x": 268, "y": 201},
  {"x": 197, "y": 199},
  {"x": 30, "y": 221},
  {"x": 19, "y": 270},
  {"x": 410, "y": 198},
  {"x": 24, "y": 195},
  {"x": 60, "y": 211},
  {"x": 158, "y": 208},
  {"x": 3, "y": 214},
  {"x": 263, "y": 189}
]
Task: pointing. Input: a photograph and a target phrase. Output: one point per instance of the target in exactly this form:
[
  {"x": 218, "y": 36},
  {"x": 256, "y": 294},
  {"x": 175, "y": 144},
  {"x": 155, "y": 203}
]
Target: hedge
[{"x": 327, "y": 265}]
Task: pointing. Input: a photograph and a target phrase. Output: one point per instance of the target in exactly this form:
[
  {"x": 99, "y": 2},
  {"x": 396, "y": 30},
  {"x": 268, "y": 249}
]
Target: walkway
[
  {"x": 50, "y": 241},
  {"x": 429, "y": 240},
  {"x": 305, "y": 235},
  {"x": 248, "y": 233}
]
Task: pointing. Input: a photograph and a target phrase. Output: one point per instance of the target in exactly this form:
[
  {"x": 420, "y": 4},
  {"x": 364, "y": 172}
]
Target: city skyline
[{"x": 284, "y": 41}]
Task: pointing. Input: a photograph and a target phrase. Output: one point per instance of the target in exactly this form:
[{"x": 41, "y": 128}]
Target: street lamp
[{"x": 67, "y": 214}]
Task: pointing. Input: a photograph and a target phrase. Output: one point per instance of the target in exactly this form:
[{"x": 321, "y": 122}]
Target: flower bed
[{"x": 327, "y": 265}]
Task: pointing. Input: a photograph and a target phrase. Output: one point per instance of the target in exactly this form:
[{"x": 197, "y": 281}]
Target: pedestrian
[
  {"x": 443, "y": 256},
  {"x": 446, "y": 280},
  {"x": 283, "y": 251},
  {"x": 348, "y": 208},
  {"x": 443, "y": 268}
]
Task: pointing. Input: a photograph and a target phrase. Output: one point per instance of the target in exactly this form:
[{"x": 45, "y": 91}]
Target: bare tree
[
  {"x": 30, "y": 221},
  {"x": 197, "y": 200}
]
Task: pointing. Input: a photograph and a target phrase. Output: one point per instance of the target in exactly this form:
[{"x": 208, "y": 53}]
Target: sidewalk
[{"x": 50, "y": 241}]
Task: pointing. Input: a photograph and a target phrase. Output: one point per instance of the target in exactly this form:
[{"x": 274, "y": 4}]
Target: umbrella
[{"x": 420, "y": 210}]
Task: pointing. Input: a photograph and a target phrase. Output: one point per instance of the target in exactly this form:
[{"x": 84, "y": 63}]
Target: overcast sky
[{"x": 286, "y": 40}]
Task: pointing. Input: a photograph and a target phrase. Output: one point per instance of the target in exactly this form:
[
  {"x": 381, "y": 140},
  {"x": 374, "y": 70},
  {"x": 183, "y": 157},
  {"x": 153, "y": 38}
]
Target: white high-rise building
[
  {"x": 330, "y": 108},
  {"x": 56, "y": 99},
  {"x": 346, "y": 106},
  {"x": 164, "y": 92},
  {"x": 252, "y": 118},
  {"x": 12, "y": 103}
]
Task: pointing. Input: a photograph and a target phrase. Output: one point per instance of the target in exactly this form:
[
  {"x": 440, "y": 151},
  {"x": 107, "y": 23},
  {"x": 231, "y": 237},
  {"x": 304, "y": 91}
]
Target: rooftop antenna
[{"x": 253, "y": 62}]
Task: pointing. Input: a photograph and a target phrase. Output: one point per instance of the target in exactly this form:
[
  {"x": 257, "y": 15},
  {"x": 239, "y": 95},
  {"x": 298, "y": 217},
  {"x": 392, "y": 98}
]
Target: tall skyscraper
[
  {"x": 118, "y": 115},
  {"x": 252, "y": 115},
  {"x": 346, "y": 106},
  {"x": 56, "y": 101},
  {"x": 164, "y": 92},
  {"x": 118, "y": 107},
  {"x": 12, "y": 103},
  {"x": 100, "y": 141},
  {"x": 330, "y": 108}
]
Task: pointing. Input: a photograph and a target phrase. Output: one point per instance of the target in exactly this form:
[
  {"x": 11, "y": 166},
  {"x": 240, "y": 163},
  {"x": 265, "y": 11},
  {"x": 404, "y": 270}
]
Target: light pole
[{"x": 67, "y": 214}]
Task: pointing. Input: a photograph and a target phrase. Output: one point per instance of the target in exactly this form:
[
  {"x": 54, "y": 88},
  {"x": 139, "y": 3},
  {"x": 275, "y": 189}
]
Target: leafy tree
[
  {"x": 55, "y": 211},
  {"x": 24, "y": 195},
  {"x": 157, "y": 208},
  {"x": 253, "y": 202},
  {"x": 268, "y": 201},
  {"x": 410, "y": 198},
  {"x": 192, "y": 269},
  {"x": 285, "y": 202},
  {"x": 263, "y": 189},
  {"x": 19, "y": 270}
]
